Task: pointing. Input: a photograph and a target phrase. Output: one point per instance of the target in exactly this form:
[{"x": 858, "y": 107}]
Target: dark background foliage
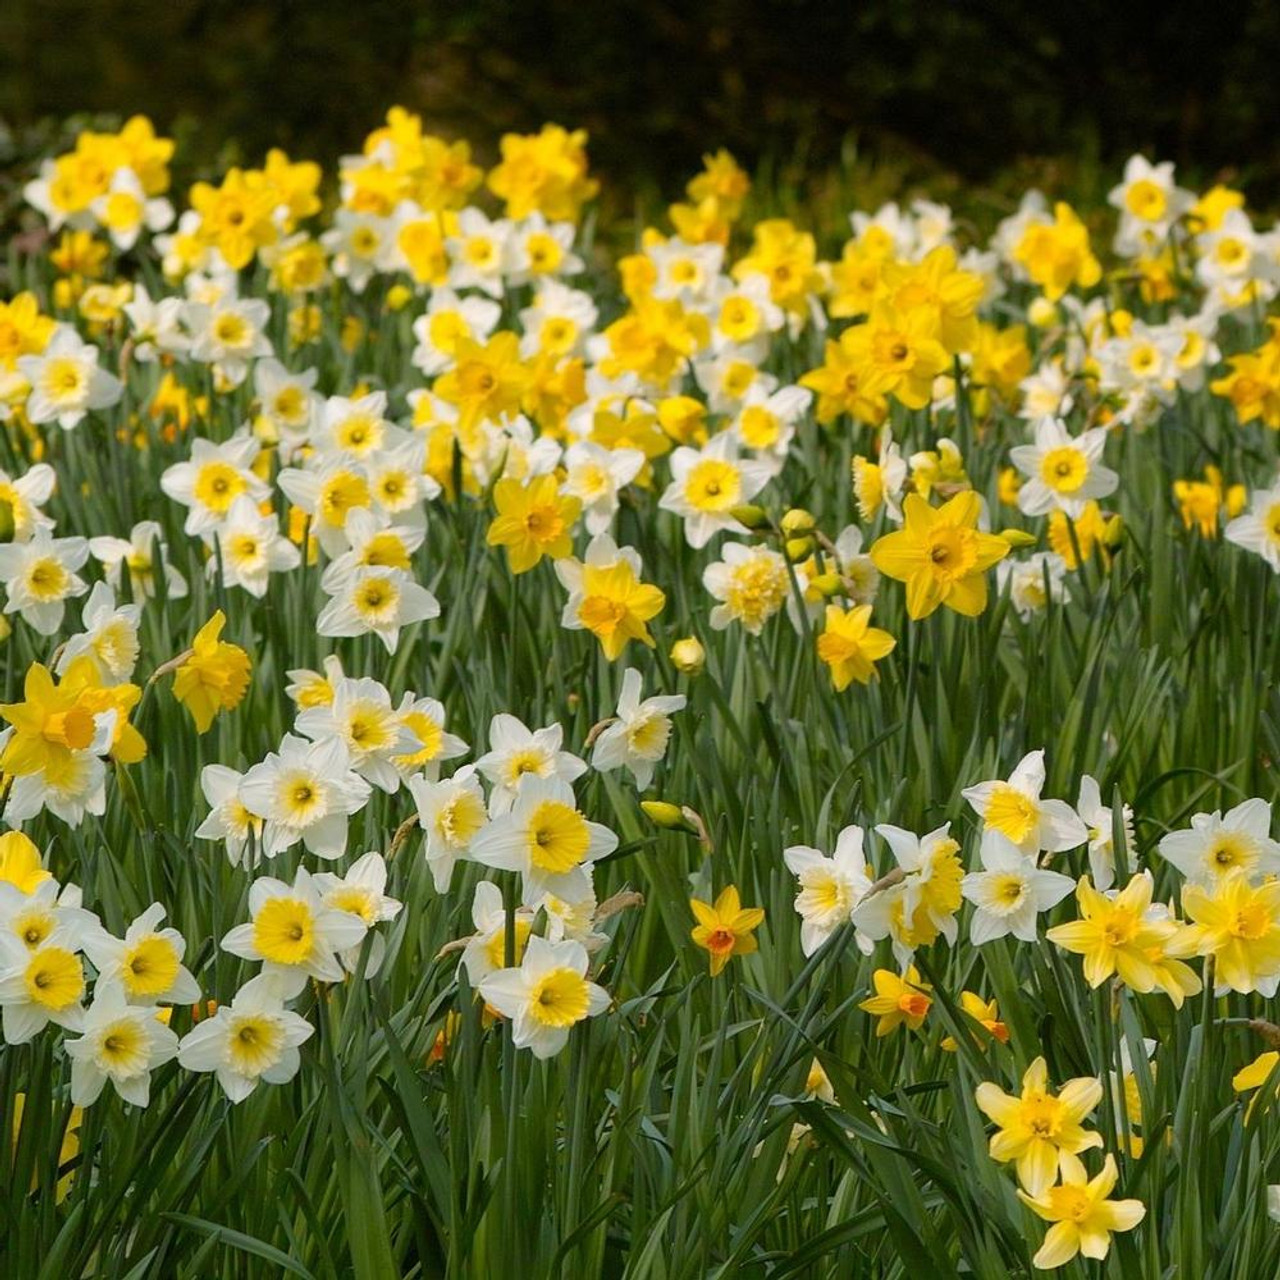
[{"x": 970, "y": 88}]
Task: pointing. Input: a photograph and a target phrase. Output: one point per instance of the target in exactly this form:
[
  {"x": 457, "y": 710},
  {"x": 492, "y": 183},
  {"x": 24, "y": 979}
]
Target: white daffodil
[
  {"x": 829, "y": 888},
  {"x": 1010, "y": 892},
  {"x": 212, "y": 479},
  {"x": 228, "y": 334},
  {"x": 547, "y": 995},
  {"x": 306, "y": 791},
  {"x": 451, "y": 814},
  {"x": 1033, "y": 582},
  {"x": 1218, "y": 843},
  {"x": 486, "y": 949},
  {"x": 538, "y": 250},
  {"x": 373, "y": 543},
  {"x": 448, "y": 319},
  {"x": 43, "y": 984},
  {"x": 126, "y": 211},
  {"x": 1258, "y": 529},
  {"x": 923, "y": 904},
  {"x": 596, "y": 475},
  {"x": 142, "y": 554},
  {"x": 26, "y": 494},
  {"x": 109, "y": 639},
  {"x": 354, "y": 430},
  {"x": 362, "y": 718},
  {"x": 1015, "y": 809},
  {"x": 1099, "y": 822},
  {"x": 228, "y": 820},
  {"x": 766, "y": 423},
  {"x": 361, "y": 892},
  {"x": 250, "y": 548},
  {"x": 707, "y": 484},
  {"x": 516, "y": 752},
  {"x": 1064, "y": 472},
  {"x": 66, "y": 381},
  {"x": 288, "y": 400},
  {"x": 251, "y": 1039},
  {"x": 558, "y": 322},
  {"x": 424, "y": 718},
  {"x": 376, "y": 601},
  {"x": 40, "y": 576},
  {"x": 118, "y": 1042},
  {"x": 146, "y": 962},
  {"x": 637, "y": 738},
  {"x": 294, "y": 933},
  {"x": 478, "y": 252},
  {"x": 545, "y": 838},
  {"x": 362, "y": 244}
]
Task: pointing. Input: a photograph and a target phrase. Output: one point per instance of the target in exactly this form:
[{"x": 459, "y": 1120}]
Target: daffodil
[
  {"x": 533, "y": 520},
  {"x": 941, "y": 555},
  {"x": 451, "y": 814},
  {"x": 898, "y": 1001},
  {"x": 829, "y": 888},
  {"x": 1014, "y": 810},
  {"x": 1083, "y": 1216},
  {"x": 118, "y": 1042},
  {"x": 1238, "y": 924},
  {"x": 725, "y": 928},
  {"x": 252, "y": 1039},
  {"x": 213, "y": 675},
  {"x": 638, "y": 735},
  {"x": 1038, "y": 1126},
  {"x": 547, "y": 995},
  {"x": 850, "y": 646},
  {"x": 607, "y": 597}
]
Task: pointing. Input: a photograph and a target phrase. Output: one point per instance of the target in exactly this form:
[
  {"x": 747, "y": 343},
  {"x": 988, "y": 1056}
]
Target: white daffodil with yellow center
[
  {"x": 66, "y": 381},
  {"x": 451, "y": 814},
  {"x": 378, "y": 602},
  {"x": 362, "y": 718},
  {"x": 517, "y": 753},
  {"x": 1064, "y": 472},
  {"x": 212, "y": 479},
  {"x": 546, "y": 839},
  {"x": 40, "y": 576},
  {"x": 118, "y": 1042},
  {"x": 361, "y": 893},
  {"x": 1015, "y": 809},
  {"x": 306, "y": 791},
  {"x": 707, "y": 484},
  {"x": 1010, "y": 891},
  {"x": 638, "y": 736},
  {"x": 424, "y": 718},
  {"x": 146, "y": 963},
  {"x": 251, "y": 1039},
  {"x": 1258, "y": 529},
  {"x": 829, "y": 888},
  {"x": 546, "y": 995},
  {"x": 251, "y": 548},
  {"x": 1217, "y": 844},
  {"x": 42, "y": 984},
  {"x": 294, "y": 933}
]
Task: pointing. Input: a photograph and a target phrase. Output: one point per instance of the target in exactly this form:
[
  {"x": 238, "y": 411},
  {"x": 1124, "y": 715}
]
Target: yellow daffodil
[
  {"x": 212, "y": 676},
  {"x": 1083, "y": 1217},
  {"x": 725, "y": 928},
  {"x": 1038, "y": 1126},
  {"x": 941, "y": 555},
  {"x": 898, "y": 1001}
]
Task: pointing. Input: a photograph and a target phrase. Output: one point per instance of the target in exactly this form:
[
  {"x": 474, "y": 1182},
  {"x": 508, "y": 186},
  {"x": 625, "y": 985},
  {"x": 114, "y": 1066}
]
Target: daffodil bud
[
  {"x": 398, "y": 297},
  {"x": 1113, "y": 531},
  {"x": 798, "y": 548},
  {"x": 829, "y": 584},
  {"x": 665, "y": 815},
  {"x": 6, "y": 520},
  {"x": 1042, "y": 313},
  {"x": 1018, "y": 538},
  {"x": 797, "y": 522},
  {"x": 688, "y": 656},
  {"x": 751, "y": 516}
]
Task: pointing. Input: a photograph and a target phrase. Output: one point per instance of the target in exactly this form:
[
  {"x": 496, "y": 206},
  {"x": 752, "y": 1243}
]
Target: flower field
[{"x": 710, "y": 749}]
